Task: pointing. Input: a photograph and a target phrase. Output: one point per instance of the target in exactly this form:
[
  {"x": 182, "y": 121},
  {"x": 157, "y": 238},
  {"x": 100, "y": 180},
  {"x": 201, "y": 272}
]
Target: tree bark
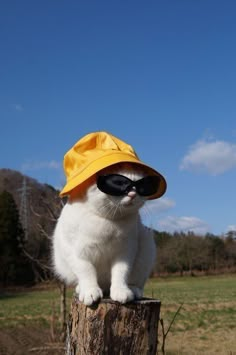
[{"x": 111, "y": 328}]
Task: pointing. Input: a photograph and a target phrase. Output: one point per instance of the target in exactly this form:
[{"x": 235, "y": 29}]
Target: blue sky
[{"x": 160, "y": 75}]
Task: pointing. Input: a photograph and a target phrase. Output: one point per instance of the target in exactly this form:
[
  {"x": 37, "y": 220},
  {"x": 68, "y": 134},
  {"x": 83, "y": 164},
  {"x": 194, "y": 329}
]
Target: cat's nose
[{"x": 132, "y": 194}]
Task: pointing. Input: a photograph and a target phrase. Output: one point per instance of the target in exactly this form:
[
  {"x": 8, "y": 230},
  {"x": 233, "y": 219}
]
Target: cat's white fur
[{"x": 101, "y": 246}]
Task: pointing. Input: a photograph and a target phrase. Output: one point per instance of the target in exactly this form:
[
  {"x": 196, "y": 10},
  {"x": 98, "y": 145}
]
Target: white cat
[{"x": 100, "y": 244}]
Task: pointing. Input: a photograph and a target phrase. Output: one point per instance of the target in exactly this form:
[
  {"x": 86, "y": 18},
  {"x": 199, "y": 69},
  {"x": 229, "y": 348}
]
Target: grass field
[{"x": 206, "y": 323}]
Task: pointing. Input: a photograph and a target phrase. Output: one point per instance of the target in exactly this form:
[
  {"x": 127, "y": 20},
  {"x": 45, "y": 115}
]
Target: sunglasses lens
[
  {"x": 148, "y": 186},
  {"x": 113, "y": 184},
  {"x": 118, "y": 185}
]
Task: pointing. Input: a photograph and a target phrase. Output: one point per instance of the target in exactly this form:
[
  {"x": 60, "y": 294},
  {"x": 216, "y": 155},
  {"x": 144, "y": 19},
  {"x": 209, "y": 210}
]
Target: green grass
[
  {"x": 22, "y": 308},
  {"x": 206, "y": 323},
  {"x": 209, "y": 289}
]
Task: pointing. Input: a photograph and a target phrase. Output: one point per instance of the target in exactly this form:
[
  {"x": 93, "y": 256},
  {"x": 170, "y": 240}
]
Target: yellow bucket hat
[{"x": 96, "y": 151}]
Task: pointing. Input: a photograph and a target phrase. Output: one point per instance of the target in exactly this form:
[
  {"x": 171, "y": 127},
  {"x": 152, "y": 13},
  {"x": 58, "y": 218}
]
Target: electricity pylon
[{"x": 24, "y": 208}]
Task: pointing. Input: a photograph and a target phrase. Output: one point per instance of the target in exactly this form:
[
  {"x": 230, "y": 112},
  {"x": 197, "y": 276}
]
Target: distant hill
[
  {"x": 40, "y": 197},
  {"x": 12, "y": 180},
  {"x": 43, "y": 208}
]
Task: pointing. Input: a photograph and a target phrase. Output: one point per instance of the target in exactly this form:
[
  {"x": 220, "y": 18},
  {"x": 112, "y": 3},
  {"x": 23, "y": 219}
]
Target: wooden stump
[{"x": 112, "y": 328}]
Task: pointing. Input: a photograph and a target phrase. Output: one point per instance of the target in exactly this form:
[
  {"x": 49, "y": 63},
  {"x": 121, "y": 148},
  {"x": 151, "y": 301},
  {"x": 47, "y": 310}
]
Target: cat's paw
[
  {"x": 77, "y": 290},
  {"x": 90, "y": 295},
  {"x": 138, "y": 292},
  {"x": 121, "y": 294}
]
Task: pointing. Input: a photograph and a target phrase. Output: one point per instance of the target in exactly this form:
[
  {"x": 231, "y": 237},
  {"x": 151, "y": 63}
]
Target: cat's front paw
[
  {"x": 89, "y": 295},
  {"x": 121, "y": 294}
]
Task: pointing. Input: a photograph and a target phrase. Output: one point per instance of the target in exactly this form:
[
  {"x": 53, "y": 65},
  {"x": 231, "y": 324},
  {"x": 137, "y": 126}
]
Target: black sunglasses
[{"x": 118, "y": 185}]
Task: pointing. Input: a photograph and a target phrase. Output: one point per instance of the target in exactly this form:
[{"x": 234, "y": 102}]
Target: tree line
[
  {"x": 190, "y": 253},
  {"x": 15, "y": 267},
  {"x": 28, "y": 261}
]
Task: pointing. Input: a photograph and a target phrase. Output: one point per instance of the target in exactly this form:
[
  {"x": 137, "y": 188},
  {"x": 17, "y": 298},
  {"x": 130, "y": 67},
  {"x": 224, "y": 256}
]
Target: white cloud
[
  {"x": 160, "y": 205},
  {"x": 37, "y": 165},
  {"x": 210, "y": 157},
  {"x": 152, "y": 209},
  {"x": 231, "y": 227},
  {"x": 183, "y": 224}
]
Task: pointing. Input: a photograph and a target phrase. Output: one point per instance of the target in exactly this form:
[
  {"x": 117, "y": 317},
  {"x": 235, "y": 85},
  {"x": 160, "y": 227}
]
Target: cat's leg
[
  {"x": 144, "y": 262},
  {"x": 120, "y": 290},
  {"x": 87, "y": 289},
  {"x": 120, "y": 271}
]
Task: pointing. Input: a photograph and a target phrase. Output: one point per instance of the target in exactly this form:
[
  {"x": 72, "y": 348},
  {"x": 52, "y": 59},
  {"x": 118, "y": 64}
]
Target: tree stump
[{"x": 111, "y": 328}]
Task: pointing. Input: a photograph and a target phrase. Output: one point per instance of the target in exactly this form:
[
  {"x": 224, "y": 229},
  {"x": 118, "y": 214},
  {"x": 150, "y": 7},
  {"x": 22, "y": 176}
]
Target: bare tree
[{"x": 51, "y": 214}]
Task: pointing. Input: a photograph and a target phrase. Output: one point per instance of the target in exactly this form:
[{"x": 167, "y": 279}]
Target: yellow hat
[{"x": 96, "y": 151}]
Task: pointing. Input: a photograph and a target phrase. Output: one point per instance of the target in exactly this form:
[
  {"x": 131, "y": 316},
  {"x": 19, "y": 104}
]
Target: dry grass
[{"x": 206, "y": 323}]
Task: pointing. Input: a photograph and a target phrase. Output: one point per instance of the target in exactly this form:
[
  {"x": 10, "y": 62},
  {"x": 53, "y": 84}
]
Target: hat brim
[{"x": 108, "y": 160}]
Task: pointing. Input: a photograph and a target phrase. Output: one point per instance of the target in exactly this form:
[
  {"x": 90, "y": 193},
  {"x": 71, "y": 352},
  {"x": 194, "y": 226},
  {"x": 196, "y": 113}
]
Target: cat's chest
[
  {"x": 103, "y": 240},
  {"x": 105, "y": 229}
]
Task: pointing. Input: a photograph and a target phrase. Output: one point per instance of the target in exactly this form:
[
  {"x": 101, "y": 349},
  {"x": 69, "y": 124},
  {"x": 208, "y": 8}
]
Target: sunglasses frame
[{"x": 101, "y": 179}]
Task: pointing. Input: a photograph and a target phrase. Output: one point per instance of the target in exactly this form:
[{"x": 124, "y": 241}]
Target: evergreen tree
[{"x": 11, "y": 239}]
